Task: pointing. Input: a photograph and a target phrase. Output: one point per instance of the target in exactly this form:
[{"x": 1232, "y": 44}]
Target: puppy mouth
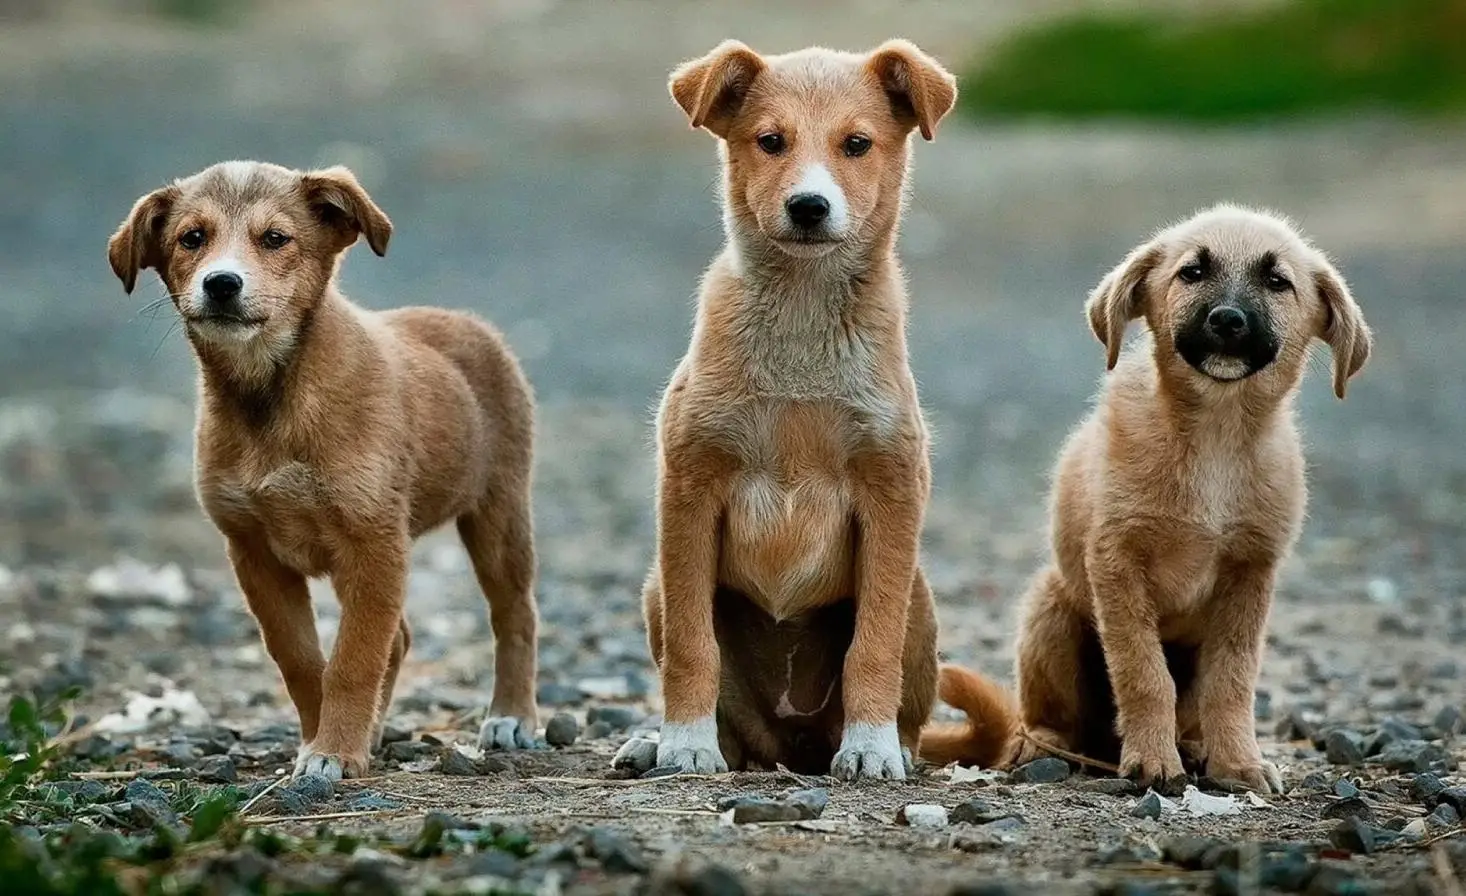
[
  {"x": 807, "y": 246},
  {"x": 225, "y": 320}
]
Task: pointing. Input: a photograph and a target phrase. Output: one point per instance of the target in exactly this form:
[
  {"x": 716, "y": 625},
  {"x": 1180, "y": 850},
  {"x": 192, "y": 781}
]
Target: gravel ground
[{"x": 574, "y": 209}]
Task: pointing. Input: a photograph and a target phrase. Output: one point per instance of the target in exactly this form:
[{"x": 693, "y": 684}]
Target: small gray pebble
[
  {"x": 1149, "y": 806},
  {"x": 370, "y": 801},
  {"x": 598, "y": 731},
  {"x": 217, "y": 770},
  {"x": 313, "y": 789},
  {"x": 494, "y": 863},
  {"x": 1048, "y": 770},
  {"x": 394, "y": 735},
  {"x": 1109, "y": 786},
  {"x": 562, "y": 730},
  {"x": 638, "y": 755},
  {"x": 1455, "y": 797},
  {"x": 1448, "y": 722},
  {"x": 974, "y": 811},
  {"x": 1413, "y": 756},
  {"x": 1344, "y": 748},
  {"x": 1444, "y": 816},
  {"x": 1425, "y": 785},
  {"x": 407, "y": 751},
  {"x": 615, "y": 853},
  {"x": 619, "y": 718},
  {"x": 452, "y": 762},
  {"x": 712, "y": 880}
]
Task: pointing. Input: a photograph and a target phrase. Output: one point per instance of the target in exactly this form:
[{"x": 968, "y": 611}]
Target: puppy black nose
[
  {"x": 1227, "y": 322},
  {"x": 222, "y": 286},
  {"x": 807, "y": 210}
]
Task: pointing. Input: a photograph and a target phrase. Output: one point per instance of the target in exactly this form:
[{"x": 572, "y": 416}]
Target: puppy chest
[
  {"x": 788, "y": 544},
  {"x": 290, "y": 506}
]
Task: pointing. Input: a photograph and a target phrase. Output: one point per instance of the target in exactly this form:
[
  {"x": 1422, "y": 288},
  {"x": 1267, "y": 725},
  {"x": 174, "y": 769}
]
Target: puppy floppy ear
[
  {"x": 1344, "y": 328},
  {"x": 711, "y": 89},
  {"x": 1120, "y": 298},
  {"x": 921, "y": 91},
  {"x": 340, "y": 202},
  {"x": 138, "y": 242}
]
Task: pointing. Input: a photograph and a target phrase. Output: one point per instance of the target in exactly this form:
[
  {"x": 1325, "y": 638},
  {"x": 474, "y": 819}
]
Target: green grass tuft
[{"x": 1301, "y": 58}]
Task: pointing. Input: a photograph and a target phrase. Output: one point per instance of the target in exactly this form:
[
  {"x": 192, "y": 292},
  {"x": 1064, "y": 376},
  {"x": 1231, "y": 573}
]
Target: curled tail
[{"x": 986, "y": 738}]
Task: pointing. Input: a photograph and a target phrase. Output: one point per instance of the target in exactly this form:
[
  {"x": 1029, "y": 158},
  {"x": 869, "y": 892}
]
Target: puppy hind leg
[
  {"x": 400, "y": 647},
  {"x": 1050, "y": 663},
  {"x": 499, "y": 537}
]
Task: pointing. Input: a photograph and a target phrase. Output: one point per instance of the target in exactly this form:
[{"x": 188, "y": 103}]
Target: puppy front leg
[
  {"x": 687, "y": 558},
  {"x": 1145, "y": 693},
  {"x": 1226, "y": 677},
  {"x": 371, "y": 583},
  {"x": 889, "y": 512},
  {"x": 281, "y": 604}
]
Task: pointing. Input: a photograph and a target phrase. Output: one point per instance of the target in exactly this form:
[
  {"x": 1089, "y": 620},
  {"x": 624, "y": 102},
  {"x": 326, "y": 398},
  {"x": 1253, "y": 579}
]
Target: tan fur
[
  {"x": 1174, "y": 503},
  {"x": 793, "y": 468},
  {"x": 330, "y": 437}
]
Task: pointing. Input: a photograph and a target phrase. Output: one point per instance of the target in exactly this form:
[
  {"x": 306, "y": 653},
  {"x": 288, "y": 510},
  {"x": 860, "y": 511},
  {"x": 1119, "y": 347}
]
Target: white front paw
[
  {"x": 692, "y": 747},
  {"x": 506, "y": 733},
  {"x": 870, "y": 751}
]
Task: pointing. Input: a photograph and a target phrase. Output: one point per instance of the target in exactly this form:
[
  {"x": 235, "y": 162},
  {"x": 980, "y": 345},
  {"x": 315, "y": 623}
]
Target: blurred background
[{"x": 537, "y": 173}]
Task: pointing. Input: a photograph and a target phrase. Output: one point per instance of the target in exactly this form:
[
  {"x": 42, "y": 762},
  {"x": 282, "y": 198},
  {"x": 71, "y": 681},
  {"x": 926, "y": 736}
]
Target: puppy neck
[
  {"x": 254, "y": 379},
  {"x": 1244, "y": 411}
]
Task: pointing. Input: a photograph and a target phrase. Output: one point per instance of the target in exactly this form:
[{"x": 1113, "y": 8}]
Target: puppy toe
[
  {"x": 326, "y": 765},
  {"x": 506, "y": 733}
]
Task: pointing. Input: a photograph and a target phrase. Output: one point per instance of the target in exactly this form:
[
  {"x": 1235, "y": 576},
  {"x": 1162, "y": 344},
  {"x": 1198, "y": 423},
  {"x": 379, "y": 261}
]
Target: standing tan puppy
[
  {"x": 786, "y": 611},
  {"x": 330, "y": 437},
  {"x": 1174, "y": 504}
]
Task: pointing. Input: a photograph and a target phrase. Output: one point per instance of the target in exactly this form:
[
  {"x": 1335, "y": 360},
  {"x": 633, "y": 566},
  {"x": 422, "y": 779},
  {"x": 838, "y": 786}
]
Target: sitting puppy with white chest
[
  {"x": 786, "y": 611},
  {"x": 329, "y": 437},
  {"x": 1174, "y": 504}
]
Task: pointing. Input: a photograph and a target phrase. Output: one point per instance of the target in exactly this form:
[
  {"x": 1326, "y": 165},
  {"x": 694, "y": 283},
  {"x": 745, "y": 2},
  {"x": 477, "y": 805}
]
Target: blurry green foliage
[
  {"x": 1301, "y": 57},
  {"x": 199, "y": 12}
]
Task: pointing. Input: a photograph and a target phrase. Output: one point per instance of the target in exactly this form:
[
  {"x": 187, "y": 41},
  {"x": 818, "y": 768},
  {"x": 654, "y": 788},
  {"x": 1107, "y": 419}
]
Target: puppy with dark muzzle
[
  {"x": 1174, "y": 504},
  {"x": 329, "y": 437}
]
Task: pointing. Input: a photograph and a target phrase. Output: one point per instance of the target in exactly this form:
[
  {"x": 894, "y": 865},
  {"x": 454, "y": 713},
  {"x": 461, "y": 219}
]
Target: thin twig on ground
[
  {"x": 1071, "y": 756},
  {"x": 324, "y": 816},
  {"x": 261, "y": 795}
]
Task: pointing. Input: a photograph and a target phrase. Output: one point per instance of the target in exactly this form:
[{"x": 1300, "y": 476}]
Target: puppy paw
[
  {"x": 331, "y": 766},
  {"x": 870, "y": 751},
  {"x": 506, "y": 733},
  {"x": 692, "y": 747},
  {"x": 1159, "y": 768},
  {"x": 1257, "y": 774}
]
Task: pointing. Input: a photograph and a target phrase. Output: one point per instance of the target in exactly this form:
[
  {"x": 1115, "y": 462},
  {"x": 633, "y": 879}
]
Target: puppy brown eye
[
  {"x": 856, "y": 145},
  {"x": 1192, "y": 273},
  {"x": 1277, "y": 282},
  {"x": 274, "y": 239},
  {"x": 773, "y": 144},
  {"x": 192, "y": 239}
]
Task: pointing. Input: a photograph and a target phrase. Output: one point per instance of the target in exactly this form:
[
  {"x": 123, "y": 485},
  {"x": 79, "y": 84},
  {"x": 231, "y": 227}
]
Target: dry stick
[
  {"x": 118, "y": 776},
  {"x": 261, "y": 795},
  {"x": 326, "y": 816},
  {"x": 1450, "y": 883},
  {"x": 1072, "y": 757},
  {"x": 629, "y": 782}
]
